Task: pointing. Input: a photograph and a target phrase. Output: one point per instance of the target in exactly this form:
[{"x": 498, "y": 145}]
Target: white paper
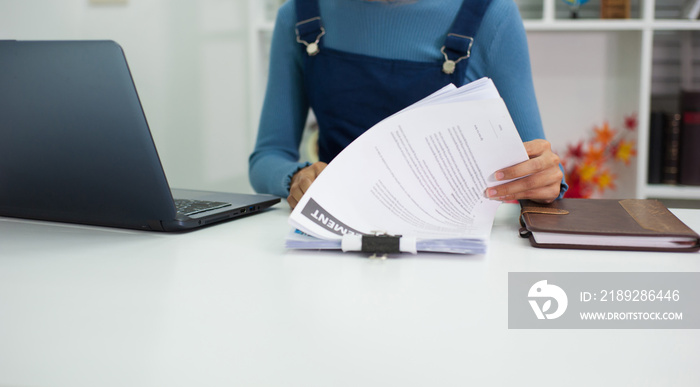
[{"x": 421, "y": 172}]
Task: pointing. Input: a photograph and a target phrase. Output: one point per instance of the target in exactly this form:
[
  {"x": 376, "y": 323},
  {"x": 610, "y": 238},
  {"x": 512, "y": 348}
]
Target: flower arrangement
[{"x": 588, "y": 165}]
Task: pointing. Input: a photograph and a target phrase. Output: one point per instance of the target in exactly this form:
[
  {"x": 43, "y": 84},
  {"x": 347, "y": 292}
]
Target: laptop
[{"x": 75, "y": 145}]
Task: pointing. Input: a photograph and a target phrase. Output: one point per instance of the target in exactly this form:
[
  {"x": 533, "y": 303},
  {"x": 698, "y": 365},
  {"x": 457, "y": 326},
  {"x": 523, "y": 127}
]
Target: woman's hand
[
  {"x": 301, "y": 181},
  {"x": 539, "y": 179}
]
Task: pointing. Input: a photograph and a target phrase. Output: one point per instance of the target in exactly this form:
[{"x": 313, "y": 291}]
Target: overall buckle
[
  {"x": 448, "y": 67},
  {"x": 311, "y": 47}
]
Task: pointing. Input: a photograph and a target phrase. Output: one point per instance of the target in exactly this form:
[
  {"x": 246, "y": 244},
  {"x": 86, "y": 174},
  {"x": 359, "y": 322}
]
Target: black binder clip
[{"x": 381, "y": 243}]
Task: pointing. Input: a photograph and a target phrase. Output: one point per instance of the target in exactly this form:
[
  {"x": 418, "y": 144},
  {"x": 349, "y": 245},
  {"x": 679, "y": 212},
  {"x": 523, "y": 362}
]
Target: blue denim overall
[{"x": 349, "y": 93}]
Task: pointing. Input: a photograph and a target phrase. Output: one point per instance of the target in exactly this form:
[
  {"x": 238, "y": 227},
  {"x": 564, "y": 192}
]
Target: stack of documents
[{"x": 421, "y": 173}]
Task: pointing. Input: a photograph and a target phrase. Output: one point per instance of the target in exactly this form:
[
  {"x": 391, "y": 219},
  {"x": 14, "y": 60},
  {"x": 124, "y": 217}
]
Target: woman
[{"x": 355, "y": 62}]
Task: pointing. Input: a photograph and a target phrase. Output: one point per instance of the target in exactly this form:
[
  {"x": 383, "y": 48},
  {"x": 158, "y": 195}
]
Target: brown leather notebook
[{"x": 606, "y": 224}]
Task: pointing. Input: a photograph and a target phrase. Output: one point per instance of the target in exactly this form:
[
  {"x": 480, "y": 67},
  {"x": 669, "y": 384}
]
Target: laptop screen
[{"x": 75, "y": 145}]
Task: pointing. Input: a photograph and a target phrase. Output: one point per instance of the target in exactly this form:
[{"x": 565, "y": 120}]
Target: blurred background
[{"x": 189, "y": 62}]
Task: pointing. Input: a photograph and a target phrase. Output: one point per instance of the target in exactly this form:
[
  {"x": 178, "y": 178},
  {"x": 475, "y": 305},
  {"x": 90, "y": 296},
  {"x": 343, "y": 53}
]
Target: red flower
[
  {"x": 631, "y": 122},
  {"x": 575, "y": 151},
  {"x": 577, "y": 188}
]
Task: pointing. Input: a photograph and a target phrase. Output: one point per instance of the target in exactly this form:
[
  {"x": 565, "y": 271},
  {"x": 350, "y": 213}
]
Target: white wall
[
  {"x": 188, "y": 59},
  {"x": 583, "y": 79}
]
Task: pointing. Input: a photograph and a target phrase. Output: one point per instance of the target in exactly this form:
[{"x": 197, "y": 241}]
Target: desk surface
[{"x": 229, "y": 306}]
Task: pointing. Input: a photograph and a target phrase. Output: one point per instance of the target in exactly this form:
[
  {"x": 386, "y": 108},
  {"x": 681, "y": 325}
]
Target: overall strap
[
  {"x": 460, "y": 39},
  {"x": 309, "y": 28}
]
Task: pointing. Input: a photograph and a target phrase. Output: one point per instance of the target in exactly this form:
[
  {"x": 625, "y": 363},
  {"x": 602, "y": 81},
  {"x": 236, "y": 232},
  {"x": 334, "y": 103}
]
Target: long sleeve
[{"x": 284, "y": 113}]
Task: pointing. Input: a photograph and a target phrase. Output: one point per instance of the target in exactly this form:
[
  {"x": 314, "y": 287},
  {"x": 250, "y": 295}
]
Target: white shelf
[
  {"x": 610, "y": 25},
  {"x": 672, "y": 192},
  {"x": 585, "y": 25},
  {"x": 679, "y": 25},
  {"x": 579, "y": 25}
]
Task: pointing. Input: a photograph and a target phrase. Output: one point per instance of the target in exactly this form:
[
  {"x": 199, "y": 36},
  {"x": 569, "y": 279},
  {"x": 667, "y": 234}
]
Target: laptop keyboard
[{"x": 191, "y": 207}]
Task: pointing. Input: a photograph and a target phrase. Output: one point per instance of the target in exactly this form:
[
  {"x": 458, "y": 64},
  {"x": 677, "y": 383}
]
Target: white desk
[{"x": 228, "y": 306}]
